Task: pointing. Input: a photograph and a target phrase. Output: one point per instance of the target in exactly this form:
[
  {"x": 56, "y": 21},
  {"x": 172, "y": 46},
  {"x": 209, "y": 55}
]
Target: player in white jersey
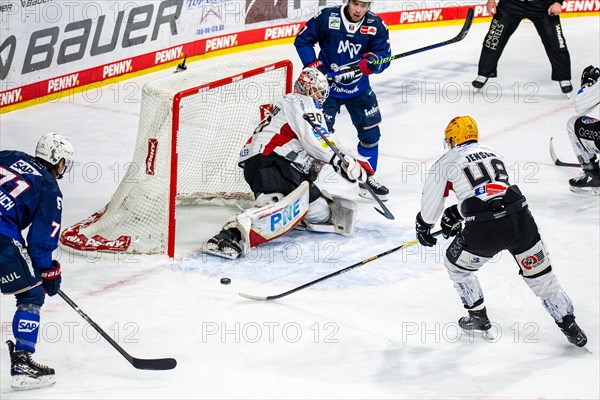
[
  {"x": 584, "y": 132},
  {"x": 281, "y": 161},
  {"x": 496, "y": 218}
]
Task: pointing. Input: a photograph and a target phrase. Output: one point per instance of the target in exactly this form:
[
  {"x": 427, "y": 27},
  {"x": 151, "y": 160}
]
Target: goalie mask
[
  {"x": 312, "y": 83},
  {"x": 461, "y": 130},
  {"x": 52, "y": 148}
]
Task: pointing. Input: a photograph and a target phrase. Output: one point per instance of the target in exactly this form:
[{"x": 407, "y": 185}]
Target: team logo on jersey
[
  {"x": 351, "y": 48},
  {"x": 533, "y": 261},
  {"x": 334, "y": 23},
  {"x": 368, "y": 30}
]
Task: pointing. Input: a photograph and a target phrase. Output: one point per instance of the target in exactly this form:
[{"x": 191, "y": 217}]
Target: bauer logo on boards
[{"x": 151, "y": 157}]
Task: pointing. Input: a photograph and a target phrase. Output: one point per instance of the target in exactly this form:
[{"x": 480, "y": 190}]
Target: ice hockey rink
[{"x": 385, "y": 330}]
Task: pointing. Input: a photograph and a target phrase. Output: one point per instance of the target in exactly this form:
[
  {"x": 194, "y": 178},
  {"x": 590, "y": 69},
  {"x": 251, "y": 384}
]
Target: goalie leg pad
[
  {"x": 342, "y": 219},
  {"x": 262, "y": 224}
]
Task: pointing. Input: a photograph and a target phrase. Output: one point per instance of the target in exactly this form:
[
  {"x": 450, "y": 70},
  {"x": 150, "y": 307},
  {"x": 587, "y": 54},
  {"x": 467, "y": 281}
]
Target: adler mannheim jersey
[
  {"x": 343, "y": 42},
  {"x": 285, "y": 133},
  {"x": 30, "y": 197},
  {"x": 470, "y": 170}
]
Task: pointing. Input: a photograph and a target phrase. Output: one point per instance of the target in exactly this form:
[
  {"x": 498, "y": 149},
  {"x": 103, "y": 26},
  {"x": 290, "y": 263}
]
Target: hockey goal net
[{"x": 192, "y": 127}]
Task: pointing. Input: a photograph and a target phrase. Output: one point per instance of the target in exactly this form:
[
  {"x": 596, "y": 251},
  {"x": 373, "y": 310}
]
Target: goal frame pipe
[{"x": 172, "y": 223}]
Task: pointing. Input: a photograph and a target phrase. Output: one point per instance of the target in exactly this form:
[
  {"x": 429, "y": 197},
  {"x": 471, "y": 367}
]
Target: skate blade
[
  {"x": 366, "y": 195},
  {"x": 222, "y": 254},
  {"x": 486, "y": 335},
  {"x": 588, "y": 191},
  {"x": 24, "y": 382}
]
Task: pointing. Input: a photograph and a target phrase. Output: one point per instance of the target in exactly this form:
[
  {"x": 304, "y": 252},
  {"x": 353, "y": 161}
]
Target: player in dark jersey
[
  {"x": 350, "y": 35},
  {"x": 30, "y": 198},
  {"x": 508, "y": 14}
]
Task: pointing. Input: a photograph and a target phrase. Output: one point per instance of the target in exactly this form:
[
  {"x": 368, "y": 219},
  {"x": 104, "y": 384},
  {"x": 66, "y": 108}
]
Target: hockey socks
[{"x": 25, "y": 326}]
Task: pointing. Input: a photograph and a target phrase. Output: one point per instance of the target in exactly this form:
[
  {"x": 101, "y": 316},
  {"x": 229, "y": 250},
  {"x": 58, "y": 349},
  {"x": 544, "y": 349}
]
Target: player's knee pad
[
  {"x": 369, "y": 137},
  {"x": 34, "y": 296},
  {"x": 318, "y": 211},
  {"x": 266, "y": 199},
  {"x": 458, "y": 256},
  {"x": 25, "y": 325},
  {"x": 466, "y": 285},
  {"x": 535, "y": 261}
]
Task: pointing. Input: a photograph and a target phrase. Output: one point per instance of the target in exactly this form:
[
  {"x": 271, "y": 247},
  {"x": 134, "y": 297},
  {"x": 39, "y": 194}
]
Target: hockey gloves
[
  {"x": 590, "y": 75},
  {"x": 51, "y": 278},
  {"x": 350, "y": 169},
  {"x": 424, "y": 232},
  {"x": 451, "y": 222},
  {"x": 367, "y": 65}
]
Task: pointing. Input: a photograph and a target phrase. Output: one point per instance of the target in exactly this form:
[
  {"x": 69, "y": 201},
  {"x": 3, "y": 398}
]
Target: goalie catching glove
[{"x": 352, "y": 170}]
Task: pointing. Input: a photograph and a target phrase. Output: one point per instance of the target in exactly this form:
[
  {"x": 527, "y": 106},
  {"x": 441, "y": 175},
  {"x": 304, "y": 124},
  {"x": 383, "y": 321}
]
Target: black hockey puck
[{"x": 225, "y": 281}]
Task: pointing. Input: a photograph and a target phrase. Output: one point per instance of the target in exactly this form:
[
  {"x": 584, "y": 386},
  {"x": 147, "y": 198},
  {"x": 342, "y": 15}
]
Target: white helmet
[
  {"x": 313, "y": 83},
  {"x": 52, "y": 148}
]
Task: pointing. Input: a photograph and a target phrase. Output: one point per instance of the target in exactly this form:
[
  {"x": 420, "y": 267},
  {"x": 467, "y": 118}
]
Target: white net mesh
[{"x": 214, "y": 123}]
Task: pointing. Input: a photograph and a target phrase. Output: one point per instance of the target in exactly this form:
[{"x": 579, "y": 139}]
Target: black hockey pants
[{"x": 508, "y": 17}]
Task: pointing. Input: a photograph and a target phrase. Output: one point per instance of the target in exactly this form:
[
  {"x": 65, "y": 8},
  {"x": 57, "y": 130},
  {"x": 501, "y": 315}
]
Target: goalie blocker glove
[{"x": 350, "y": 169}]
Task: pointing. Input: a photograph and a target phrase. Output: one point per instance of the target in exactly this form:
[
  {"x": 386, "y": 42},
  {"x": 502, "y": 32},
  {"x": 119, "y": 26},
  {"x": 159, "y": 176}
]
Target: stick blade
[
  {"x": 157, "y": 364},
  {"x": 252, "y": 297}
]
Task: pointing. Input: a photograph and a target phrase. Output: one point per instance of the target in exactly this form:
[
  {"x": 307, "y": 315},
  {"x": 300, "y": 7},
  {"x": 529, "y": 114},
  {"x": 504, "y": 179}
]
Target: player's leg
[
  {"x": 331, "y": 107},
  {"x": 584, "y": 133},
  {"x": 468, "y": 252},
  {"x": 366, "y": 117},
  {"x": 503, "y": 25},
  {"x": 549, "y": 29},
  {"x": 19, "y": 278},
  {"x": 535, "y": 266}
]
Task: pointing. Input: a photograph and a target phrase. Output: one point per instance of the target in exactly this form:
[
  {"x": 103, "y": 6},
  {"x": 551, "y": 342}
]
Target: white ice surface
[{"x": 385, "y": 330}]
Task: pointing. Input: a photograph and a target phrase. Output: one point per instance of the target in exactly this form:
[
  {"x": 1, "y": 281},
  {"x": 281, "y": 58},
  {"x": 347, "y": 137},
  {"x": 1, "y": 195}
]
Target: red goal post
[{"x": 192, "y": 127}]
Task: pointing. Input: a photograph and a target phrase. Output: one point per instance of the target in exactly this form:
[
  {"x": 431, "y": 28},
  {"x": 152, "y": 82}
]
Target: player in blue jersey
[
  {"x": 30, "y": 198},
  {"x": 350, "y": 35}
]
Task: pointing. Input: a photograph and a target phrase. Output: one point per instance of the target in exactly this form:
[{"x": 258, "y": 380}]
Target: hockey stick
[
  {"x": 461, "y": 35},
  {"x": 339, "y": 272},
  {"x": 557, "y": 161},
  {"x": 386, "y": 212},
  {"x": 139, "y": 363}
]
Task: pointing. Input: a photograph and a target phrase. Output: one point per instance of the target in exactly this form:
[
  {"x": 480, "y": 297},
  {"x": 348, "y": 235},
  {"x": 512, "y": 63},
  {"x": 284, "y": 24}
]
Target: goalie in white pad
[{"x": 281, "y": 161}]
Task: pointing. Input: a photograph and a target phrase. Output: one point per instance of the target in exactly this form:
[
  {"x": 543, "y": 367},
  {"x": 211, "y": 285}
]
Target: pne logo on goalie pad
[{"x": 286, "y": 216}]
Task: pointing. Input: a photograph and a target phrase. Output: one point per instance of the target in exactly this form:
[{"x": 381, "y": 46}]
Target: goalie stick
[
  {"x": 139, "y": 363},
  {"x": 338, "y": 272},
  {"x": 559, "y": 162},
  {"x": 386, "y": 212},
  {"x": 461, "y": 35}
]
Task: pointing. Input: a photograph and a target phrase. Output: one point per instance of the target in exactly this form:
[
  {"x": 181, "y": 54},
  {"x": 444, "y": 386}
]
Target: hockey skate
[
  {"x": 586, "y": 183},
  {"x": 479, "y": 82},
  {"x": 380, "y": 190},
  {"x": 26, "y": 373},
  {"x": 226, "y": 243},
  {"x": 566, "y": 87},
  {"x": 476, "y": 321},
  {"x": 572, "y": 331}
]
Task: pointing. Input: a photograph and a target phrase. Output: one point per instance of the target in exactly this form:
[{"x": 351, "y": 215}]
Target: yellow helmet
[{"x": 462, "y": 129}]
